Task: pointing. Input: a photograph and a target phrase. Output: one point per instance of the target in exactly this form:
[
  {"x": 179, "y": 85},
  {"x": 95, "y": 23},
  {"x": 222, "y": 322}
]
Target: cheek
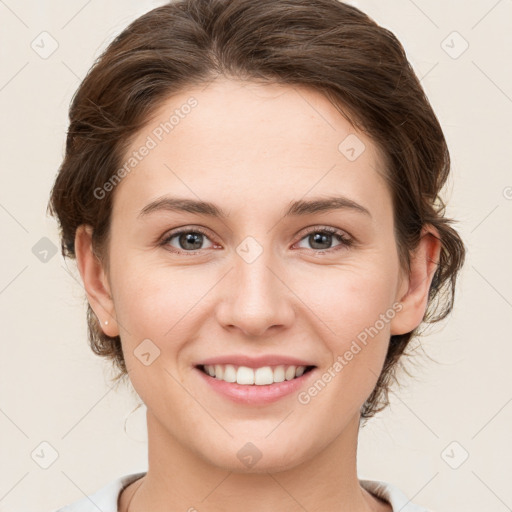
[
  {"x": 160, "y": 309},
  {"x": 153, "y": 306},
  {"x": 358, "y": 309},
  {"x": 352, "y": 299},
  {"x": 154, "y": 300}
]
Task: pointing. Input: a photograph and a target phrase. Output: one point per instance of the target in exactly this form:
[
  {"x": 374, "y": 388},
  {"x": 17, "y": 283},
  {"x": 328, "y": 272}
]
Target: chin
[{"x": 243, "y": 456}]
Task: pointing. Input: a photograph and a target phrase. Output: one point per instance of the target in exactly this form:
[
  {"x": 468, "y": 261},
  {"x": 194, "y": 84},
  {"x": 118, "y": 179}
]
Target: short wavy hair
[{"x": 325, "y": 45}]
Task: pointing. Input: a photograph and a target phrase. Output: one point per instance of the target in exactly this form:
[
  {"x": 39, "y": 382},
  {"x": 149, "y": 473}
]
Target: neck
[{"x": 327, "y": 482}]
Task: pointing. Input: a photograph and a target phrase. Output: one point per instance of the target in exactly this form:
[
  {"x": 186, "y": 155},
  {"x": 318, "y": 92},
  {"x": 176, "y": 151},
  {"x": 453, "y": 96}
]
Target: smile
[
  {"x": 262, "y": 376},
  {"x": 255, "y": 386}
]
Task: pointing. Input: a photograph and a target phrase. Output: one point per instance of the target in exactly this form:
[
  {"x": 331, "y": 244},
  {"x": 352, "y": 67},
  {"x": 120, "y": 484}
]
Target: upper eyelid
[
  {"x": 310, "y": 229},
  {"x": 179, "y": 231}
]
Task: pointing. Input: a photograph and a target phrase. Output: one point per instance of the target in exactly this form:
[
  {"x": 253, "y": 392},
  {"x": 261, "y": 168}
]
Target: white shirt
[{"x": 106, "y": 498}]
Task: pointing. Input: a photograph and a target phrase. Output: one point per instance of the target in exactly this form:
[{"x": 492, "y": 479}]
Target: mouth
[{"x": 247, "y": 376}]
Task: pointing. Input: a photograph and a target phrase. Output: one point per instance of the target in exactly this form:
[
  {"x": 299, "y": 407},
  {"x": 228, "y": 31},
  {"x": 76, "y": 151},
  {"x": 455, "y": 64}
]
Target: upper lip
[{"x": 255, "y": 362}]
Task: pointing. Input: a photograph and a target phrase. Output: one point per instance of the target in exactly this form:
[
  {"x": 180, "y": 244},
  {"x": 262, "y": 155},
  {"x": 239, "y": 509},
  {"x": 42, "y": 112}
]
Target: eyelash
[{"x": 345, "y": 241}]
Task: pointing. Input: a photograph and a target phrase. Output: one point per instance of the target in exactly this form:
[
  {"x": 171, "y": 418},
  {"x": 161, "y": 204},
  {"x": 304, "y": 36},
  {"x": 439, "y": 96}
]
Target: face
[{"x": 272, "y": 282}]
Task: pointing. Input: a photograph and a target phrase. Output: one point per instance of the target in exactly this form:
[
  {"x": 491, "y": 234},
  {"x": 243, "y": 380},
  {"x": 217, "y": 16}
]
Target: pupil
[
  {"x": 195, "y": 239},
  {"x": 319, "y": 238}
]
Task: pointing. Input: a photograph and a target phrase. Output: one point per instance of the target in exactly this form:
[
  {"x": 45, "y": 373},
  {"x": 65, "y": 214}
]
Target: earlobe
[
  {"x": 95, "y": 281},
  {"x": 424, "y": 263}
]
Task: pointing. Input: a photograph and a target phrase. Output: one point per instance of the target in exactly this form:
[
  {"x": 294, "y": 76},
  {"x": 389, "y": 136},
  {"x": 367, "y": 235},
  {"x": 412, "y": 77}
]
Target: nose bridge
[{"x": 258, "y": 300}]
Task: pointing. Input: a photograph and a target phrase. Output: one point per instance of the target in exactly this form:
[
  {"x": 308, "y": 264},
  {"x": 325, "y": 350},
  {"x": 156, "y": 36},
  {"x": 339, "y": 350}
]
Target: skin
[{"x": 252, "y": 149}]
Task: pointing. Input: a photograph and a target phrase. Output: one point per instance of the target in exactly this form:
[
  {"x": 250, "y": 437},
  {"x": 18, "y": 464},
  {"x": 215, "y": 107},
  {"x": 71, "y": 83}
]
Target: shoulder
[
  {"x": 105, "y": 499},
  {"x": 396, "y": 498}
]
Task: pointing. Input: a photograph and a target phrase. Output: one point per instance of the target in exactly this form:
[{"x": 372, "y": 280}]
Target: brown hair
[{"x": 326, "y": 45}]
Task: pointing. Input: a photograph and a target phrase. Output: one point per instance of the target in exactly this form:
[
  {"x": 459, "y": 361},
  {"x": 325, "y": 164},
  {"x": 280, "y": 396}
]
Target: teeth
[
  {"x": 229, "y": 373},
  {"x": 279, "y": 374},
  {"x": 290, "y": 373},
  {"x": 299, "y": 371},
  {"x": 259, "y": 376},
  {"x": 263, "y": 376},
  {"x": 244, "y": 375}
]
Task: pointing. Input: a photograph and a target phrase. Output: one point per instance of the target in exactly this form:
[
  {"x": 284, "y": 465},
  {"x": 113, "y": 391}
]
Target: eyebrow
[{"x": 296, "y": 208}]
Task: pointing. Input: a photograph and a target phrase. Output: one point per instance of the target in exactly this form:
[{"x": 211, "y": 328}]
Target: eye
[
  {"x": 188, "y": 240},
  {"x": 322, "y": 238}
]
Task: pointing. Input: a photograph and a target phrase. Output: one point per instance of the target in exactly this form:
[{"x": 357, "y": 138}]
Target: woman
[{"x": 251, "y": 192}]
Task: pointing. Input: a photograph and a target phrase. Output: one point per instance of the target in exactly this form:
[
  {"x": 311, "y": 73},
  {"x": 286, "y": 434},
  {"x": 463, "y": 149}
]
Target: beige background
[{"x": 54, "y": 390}]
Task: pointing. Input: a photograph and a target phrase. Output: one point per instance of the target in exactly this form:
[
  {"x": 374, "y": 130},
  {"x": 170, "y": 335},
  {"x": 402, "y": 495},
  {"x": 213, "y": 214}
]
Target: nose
[{"x": 257, "y": 298}]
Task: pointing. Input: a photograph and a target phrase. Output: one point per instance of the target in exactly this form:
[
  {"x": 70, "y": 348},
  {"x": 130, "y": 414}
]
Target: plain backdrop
[{"x": 65, "y": 432}]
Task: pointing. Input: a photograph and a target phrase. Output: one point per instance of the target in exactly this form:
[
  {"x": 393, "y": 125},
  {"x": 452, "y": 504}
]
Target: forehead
[{"x": 250, "y": 142}]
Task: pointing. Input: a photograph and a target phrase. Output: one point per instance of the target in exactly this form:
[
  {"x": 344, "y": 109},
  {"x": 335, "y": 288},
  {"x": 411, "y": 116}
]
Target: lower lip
[{"x": 254, "y": 394}]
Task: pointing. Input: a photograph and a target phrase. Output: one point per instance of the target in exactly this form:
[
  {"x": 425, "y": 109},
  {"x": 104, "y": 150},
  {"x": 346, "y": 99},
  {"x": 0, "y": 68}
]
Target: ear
[
  {"x": 95, "y": 281},
  {"x": 413, "y": 293}
]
